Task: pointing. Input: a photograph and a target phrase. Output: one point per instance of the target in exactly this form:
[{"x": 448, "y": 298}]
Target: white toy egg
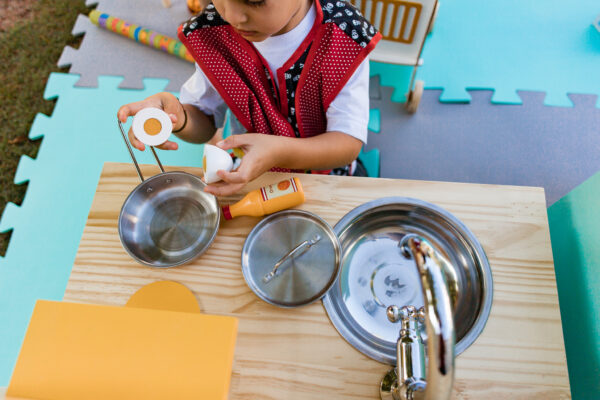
[
  {"x": 152, "y": 126},
  {"x": 214, "y": 160}
]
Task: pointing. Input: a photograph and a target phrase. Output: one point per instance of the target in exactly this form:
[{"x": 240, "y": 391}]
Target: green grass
[{"x": 29, "y": 52}]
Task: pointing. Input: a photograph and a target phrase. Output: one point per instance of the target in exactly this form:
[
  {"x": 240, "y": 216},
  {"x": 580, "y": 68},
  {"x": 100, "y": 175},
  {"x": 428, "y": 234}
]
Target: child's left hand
[{"x": 261, "y": 153}]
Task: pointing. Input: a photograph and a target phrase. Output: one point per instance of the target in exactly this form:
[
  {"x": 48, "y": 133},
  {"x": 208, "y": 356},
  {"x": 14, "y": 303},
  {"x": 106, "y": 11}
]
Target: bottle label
[{"x": 279, "y": 189}]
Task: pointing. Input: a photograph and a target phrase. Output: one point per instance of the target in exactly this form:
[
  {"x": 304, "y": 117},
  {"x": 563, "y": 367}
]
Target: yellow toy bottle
[{"x": 267, "y": 200}]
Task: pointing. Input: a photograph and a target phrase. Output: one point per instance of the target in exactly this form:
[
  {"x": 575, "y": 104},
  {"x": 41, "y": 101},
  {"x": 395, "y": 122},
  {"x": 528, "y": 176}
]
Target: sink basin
[{"x": 376, "y": 273}]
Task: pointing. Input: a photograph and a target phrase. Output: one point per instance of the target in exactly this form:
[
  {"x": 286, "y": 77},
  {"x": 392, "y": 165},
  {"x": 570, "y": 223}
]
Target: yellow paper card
[
  {"x": 165, "y": 295},
  {"x": 81, "y": 351}
]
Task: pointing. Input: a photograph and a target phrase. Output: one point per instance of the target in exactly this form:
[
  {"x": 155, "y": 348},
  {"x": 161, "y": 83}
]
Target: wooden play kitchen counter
[{"x": 297, "y": 353}]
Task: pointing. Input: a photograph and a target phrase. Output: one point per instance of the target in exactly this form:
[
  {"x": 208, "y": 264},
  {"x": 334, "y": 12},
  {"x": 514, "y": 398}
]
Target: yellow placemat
[{"x": 82, "y": 351}]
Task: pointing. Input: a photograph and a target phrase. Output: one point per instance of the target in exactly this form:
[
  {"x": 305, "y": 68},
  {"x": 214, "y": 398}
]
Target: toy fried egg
[
  {"x": 215, "y": 159},
  {"x": 152, "y": 126}
]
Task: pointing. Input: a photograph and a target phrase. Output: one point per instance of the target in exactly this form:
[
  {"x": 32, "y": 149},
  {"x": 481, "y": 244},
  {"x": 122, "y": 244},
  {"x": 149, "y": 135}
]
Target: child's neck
[{"x": 298, "y": 16}]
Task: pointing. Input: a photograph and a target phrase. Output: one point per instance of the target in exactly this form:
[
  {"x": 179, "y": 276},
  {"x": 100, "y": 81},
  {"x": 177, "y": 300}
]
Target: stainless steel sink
[{"x": 376, "y": 273}]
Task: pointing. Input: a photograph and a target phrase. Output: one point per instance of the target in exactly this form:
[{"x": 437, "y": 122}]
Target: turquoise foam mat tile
[
  {"x": 78, "y": 138},
  {"x": 396, "y": 76},
  {"x": 374, "y": 121},
  {"x": 370, "y": 160},
  {"x": 575, "y": 231},
  {"x": 509, "y": 45}
]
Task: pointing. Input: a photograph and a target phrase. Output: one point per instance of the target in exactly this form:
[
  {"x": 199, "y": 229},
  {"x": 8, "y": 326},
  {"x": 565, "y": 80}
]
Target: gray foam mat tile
[
  {"x": 106, "y": 53},
  {"x": 556, "y": 148},
  {"x": 374, "y": 88}
]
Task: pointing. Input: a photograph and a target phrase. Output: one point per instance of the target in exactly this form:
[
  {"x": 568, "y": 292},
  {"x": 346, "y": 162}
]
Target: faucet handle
[
  {"x": 406, "y": 313},
  {"x": 393, "y": 313},
  {"x": 421, "y": 315}
]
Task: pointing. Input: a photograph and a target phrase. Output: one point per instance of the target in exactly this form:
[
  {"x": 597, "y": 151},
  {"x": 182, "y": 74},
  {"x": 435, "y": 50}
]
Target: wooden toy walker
[{"x": 403, "y": 26}]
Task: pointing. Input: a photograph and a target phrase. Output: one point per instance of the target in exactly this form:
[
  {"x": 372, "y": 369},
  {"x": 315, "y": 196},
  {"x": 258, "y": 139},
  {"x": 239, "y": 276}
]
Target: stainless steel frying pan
[{"x": 167, "y": 220}]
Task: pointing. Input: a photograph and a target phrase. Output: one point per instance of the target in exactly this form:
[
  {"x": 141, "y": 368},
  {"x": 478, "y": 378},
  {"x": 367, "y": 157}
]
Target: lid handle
[{"x": 295, "y": 252}]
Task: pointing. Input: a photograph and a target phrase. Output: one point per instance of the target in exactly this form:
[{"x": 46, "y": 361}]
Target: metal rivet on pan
[
  {"x": 169, "y": 180},
  {"x": 149, "y": 190}
]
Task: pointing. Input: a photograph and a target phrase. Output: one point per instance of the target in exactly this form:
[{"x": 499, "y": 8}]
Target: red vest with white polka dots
[{"x": 338, "y": 42}]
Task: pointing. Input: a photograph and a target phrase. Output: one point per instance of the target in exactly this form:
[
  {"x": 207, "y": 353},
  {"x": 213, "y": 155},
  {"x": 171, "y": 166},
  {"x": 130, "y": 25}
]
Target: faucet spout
[{"x": 409, "y": 381}]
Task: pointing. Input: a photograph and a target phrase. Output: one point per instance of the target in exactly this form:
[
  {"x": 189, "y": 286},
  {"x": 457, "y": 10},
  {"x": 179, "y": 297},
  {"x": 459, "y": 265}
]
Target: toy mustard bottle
[{"x": 267, "y": 200}]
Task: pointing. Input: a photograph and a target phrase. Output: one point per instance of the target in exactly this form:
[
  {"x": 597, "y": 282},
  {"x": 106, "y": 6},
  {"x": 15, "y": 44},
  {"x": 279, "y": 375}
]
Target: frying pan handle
[{"x": 137, "y": 167}]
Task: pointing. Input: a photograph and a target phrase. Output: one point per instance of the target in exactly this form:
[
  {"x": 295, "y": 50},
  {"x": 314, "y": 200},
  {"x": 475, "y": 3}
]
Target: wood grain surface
[{"x": 297, "y": 353}]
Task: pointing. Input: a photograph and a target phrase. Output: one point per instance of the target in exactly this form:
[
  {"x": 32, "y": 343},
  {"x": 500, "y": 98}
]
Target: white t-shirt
[{"x": 347, "y": 113}]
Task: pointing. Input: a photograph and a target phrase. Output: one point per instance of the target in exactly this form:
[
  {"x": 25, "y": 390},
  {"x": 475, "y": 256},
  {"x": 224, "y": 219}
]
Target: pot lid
[{"x": 291, "y": 258}]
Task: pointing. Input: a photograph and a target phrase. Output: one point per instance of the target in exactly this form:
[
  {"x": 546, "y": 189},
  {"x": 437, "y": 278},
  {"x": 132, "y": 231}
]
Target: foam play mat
[
  {"x": 105, "y": 53},
  {"x": 511, "y": 45},
  {"x": 574, "y": 222},
  {"x": 529, "y": 144}
]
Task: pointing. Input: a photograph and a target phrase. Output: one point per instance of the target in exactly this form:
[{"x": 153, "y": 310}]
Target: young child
[{"x": 294, "y": 74}]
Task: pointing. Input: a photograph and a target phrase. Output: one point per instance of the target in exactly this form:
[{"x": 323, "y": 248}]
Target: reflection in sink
[{"x": 376, "y": 274}]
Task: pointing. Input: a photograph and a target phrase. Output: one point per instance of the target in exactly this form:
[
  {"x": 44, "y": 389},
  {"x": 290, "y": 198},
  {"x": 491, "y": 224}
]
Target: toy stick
[{"x": 140, "y": 35}]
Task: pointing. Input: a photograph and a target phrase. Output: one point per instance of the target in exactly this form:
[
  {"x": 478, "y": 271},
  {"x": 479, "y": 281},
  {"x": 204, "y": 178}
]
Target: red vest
[{"x": 338, "y": 42}]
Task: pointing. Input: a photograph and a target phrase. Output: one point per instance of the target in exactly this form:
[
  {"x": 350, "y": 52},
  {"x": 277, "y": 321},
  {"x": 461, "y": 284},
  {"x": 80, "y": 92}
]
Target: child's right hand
[{"x": 164, "y": 101}]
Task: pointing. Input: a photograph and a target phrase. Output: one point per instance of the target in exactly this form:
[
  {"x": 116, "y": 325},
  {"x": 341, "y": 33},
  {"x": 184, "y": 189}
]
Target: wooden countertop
[{"x": 297, "y": 353}]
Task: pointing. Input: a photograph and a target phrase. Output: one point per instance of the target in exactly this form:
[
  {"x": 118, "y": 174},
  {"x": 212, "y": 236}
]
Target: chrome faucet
[{"x": 408, "y": 381}]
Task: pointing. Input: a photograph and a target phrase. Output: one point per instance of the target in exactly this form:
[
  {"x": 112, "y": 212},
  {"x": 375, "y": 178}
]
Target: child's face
[{"x": 256, "y": 20}]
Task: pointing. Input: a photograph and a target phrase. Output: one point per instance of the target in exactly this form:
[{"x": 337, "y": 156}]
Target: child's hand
[
  {"x": 164, "y": 101},
  {"x": 261, "y": 153}
]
